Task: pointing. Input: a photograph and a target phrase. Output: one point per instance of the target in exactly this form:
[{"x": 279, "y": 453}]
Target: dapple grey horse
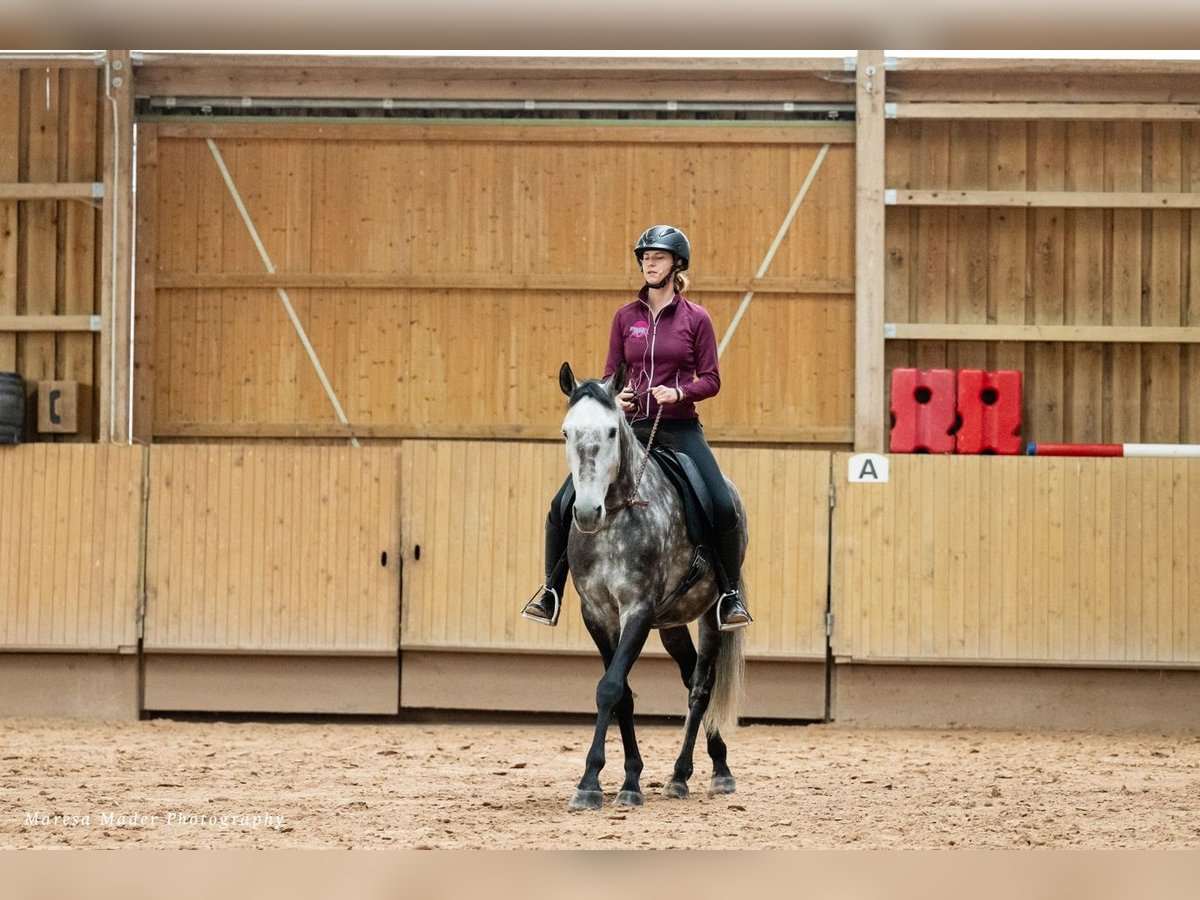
[{"x": 636, "y": 569}]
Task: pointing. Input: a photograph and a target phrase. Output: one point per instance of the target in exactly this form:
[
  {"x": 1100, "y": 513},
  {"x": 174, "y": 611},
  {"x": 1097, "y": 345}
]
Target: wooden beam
[
  {"x": 1100, "y": 334},
  {"x": 488, "y": 78},
  {"x": 998, "y": 66},
  {"x": 63, "y": 59},
  {"x": 869, "y": 254},
  {"x": 145, "y": 284},
  {"x": 1059, "y": 199},
  {"x": 81, "y": 190},
  {"x": 522, "y": 131},
  {"x": 49, "y": 323},
  {"x": 482, "y": 282},
  {"x": 815, "y": 434},
  {"x": 1037, "y": 110},
  {"x": 116, "y": 244}
]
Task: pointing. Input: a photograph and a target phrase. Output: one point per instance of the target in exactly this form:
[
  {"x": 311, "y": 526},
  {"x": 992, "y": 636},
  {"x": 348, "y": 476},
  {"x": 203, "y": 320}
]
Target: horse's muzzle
[{"x": 589, "y": 520}]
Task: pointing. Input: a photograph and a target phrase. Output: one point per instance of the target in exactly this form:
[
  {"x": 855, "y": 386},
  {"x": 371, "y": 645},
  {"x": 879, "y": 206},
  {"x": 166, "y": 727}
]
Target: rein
[{"x": 633, "y": 500}]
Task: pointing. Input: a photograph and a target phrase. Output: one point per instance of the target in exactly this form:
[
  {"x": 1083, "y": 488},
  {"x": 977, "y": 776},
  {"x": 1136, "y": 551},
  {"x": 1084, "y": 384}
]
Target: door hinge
[{"x": 828, "y": 624}]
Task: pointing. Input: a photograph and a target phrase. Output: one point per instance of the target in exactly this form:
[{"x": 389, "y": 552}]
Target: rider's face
[{"x": 656, "y": 265}]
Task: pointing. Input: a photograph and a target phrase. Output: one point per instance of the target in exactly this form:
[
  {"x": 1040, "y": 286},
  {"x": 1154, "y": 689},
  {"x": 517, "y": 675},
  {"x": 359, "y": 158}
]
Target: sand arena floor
[{"x": 164, "y": 783}]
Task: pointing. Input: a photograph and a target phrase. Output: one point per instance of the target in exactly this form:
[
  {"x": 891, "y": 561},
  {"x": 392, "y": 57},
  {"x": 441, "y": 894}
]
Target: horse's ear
[
  {"x": 566, "y": 379},
  {"x": 618, "y": 378}
]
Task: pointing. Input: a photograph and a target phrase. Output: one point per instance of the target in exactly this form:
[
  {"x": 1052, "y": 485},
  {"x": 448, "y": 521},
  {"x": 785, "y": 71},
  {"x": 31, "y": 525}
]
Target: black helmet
[{"x": 665, "y": 237}]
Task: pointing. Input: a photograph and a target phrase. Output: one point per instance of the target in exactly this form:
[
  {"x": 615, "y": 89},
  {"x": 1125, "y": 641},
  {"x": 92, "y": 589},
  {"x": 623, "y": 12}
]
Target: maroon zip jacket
[{"x": 678, "y": 349}]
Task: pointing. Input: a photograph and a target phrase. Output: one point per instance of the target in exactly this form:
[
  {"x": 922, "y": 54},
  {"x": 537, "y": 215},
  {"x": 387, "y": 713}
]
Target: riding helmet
[{"x": 665, "y": 237}]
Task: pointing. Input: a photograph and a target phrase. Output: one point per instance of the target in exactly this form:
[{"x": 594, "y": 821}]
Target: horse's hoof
[
  {"x": 582, "y": 800},
  {"x": 721, "y": 784},
  {"x": 676, "y": 790},
  {"x": 628, "y": 798}
]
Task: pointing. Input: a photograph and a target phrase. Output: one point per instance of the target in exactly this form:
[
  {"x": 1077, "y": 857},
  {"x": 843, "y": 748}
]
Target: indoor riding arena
[{"x": 280, "y": 421}]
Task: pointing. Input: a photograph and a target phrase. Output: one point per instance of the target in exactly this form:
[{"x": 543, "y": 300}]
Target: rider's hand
[
  {"x": 625, "y": 398},
  {"x": 665, "y": 396}
]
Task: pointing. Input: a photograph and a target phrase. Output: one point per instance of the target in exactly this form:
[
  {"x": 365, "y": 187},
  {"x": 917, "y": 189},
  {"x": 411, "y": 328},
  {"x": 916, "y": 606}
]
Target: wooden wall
[
  {"x": 443, "y": 272},
  {"x": 1055, "y": 266},
  {"x": 477, "y": 509},
  {"x": 69, "y": 547},
  {"x": 1019, "y": 560},
  {"x": 51, "y": 121},
  {"x": 272, "y": 549}
]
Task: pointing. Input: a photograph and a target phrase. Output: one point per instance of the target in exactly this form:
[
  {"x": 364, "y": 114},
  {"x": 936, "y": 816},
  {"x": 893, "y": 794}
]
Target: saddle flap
[{"x": 681, "y": 471}]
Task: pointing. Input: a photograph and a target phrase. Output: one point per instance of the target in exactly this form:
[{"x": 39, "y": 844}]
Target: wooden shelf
[
  {"x": 1052, "y": 199},
  {"x": 915, "y": 109},
  {"x": 49, "y": 323},
  {"x": 1102, "y": 334},
  {"x": 64, "y": 190}
]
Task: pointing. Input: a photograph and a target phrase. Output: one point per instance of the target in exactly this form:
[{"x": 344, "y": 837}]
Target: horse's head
[{"x": 592, "y": 428}]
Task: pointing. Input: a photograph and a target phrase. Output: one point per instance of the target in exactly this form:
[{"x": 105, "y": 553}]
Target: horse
[{"x": 636, "y": 569}]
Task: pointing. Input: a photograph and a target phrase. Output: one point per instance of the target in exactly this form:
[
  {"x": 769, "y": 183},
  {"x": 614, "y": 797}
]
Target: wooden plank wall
[
  {"x": 69, "y": 561},
  {"x": 1019, "y": 559},
  {"x": 272, "y": 549},
  {"x": 51, "y": 131},
  {"x": 443, "y": 272},
  {"x": 476, "y": 510},
  {"x": 1054, "y": 266}
]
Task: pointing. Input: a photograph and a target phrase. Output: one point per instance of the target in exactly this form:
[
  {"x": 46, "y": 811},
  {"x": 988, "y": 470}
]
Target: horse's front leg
[{"x": 614, "y": 696}]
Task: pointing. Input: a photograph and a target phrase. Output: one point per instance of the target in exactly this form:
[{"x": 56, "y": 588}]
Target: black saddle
[{"x": 697, "y": 501}]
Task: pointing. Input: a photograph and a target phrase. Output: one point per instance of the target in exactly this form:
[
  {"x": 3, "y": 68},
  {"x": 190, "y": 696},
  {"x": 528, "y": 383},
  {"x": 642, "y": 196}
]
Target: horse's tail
[{"x": 725, "y": 704}]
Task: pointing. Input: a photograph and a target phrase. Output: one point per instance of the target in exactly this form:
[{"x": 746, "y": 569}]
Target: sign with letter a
[{"x": 869, "y": 468}]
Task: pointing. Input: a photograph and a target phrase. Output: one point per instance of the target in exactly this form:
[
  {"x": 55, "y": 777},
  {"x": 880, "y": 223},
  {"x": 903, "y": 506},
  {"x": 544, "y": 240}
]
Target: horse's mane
[{"x": 596, "y": 390}]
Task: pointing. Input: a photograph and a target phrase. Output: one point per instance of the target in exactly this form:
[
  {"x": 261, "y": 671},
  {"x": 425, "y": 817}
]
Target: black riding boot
[
  {"x": 731, "y": 605},
  {"x": 546, "y": 603}
]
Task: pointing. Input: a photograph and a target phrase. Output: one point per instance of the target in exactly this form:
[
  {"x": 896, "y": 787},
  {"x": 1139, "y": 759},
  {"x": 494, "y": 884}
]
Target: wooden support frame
[
  {"x": 32, "y": 323},
  {"x": 870, "y": 252},
  {"x": 1099, "y": 334},
  {"x": 1046, "y": 199},
  {"x": 917, "y": 109},
  {"x": 115, "y": 248},
  {"x": 486, "y": 282},
  {"x": 66, "y": 190}
]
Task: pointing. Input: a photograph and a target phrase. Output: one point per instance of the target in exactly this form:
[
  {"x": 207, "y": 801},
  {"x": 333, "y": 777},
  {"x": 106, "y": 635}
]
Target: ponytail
[{"x": 682, "y": 282}]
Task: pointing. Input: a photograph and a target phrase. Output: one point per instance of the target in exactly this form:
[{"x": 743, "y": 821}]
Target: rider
[{"x": 668, "y": 344}]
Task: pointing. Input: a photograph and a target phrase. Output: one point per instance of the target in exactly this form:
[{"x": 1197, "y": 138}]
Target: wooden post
[
  {"x": 115, "y": 245},
  {"x": 145, "y": 285},
  {"x": 869, "y": 254}
]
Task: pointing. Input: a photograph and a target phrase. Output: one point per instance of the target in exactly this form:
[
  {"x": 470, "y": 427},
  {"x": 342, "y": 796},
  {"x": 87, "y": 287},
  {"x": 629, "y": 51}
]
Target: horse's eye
[
  {"x": 564, "y": 432},
  {"x": 612, "y": 432}
]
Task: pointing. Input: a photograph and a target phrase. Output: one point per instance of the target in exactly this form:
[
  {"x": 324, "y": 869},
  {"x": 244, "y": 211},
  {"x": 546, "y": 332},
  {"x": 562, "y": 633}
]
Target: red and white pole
[{"x": 1183, "y": 450}]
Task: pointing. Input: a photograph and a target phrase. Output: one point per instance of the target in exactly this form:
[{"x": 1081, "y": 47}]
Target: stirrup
[
  {"x": 734, "y": 597},
  {"x": 537, "y": 596}
]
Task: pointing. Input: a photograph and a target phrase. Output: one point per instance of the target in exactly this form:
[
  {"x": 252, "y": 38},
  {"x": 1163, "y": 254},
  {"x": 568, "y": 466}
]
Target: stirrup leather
[
  {"x": 735, "y": 596},
  {"x": 537, "y": 595}
]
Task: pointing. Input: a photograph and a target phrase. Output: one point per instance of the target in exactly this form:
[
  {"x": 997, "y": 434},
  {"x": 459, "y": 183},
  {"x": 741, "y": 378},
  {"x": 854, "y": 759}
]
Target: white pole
[
  {"x": 283, "y": 294},
  {"x": 762, "y": 270},
  {"x": 1162, "y": 449}
]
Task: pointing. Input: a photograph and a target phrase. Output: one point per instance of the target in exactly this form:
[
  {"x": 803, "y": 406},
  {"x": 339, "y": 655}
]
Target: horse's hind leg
[
  {"x": 699, "y": 674},
  {"x": 614, "y": 696}
]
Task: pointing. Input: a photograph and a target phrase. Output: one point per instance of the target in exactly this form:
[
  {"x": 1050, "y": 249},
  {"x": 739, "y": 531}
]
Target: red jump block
[
  {"x": 989, "y": 405},
  {"x": 923, "y": 411}
]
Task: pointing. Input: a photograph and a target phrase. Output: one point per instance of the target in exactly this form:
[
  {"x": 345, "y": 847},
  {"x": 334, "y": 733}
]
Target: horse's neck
[{"x": 632, "y": 456}]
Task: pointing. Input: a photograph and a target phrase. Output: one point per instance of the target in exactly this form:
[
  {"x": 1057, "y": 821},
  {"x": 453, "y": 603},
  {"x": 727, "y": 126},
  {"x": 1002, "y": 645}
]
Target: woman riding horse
[{"x": 667, "y": 343}]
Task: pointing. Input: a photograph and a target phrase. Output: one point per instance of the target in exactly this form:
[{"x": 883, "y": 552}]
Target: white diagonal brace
[{"x": 283, "y": 294}]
